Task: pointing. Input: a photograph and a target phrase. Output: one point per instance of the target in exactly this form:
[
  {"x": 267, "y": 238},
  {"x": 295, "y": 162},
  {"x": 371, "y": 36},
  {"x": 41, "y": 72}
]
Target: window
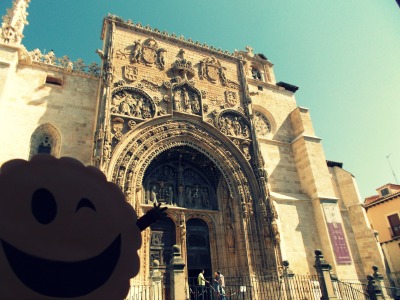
[
  {"x": 45, "y": 139},
  {"x": 255, "y": 73},
  {"x": 394, "y": 222},
  {"x": 385, "y": 192},
  {"x": 53, "y": 80}
]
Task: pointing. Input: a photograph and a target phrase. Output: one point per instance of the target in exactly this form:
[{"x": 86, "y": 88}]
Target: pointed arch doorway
[{"x": 187, "y": 181}]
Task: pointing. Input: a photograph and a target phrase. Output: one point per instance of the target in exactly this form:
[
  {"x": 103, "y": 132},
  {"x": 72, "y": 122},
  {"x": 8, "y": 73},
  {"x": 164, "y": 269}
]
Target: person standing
[
  {"x": 221, "y": 285},
  {"x": 215, "y": 286},
  {"x": 201, "y": 283}
]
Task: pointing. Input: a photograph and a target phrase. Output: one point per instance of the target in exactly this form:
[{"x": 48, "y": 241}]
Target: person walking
[{"x": 201, "y": 283}]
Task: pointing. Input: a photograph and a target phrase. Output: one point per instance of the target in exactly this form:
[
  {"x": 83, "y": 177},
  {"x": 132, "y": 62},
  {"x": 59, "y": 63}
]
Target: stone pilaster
[{"x": 178, "y": 283}]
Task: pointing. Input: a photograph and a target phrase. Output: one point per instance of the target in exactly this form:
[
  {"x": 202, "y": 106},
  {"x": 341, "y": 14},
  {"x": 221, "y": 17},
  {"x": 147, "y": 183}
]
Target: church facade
[{"x": 209, "y": 133}]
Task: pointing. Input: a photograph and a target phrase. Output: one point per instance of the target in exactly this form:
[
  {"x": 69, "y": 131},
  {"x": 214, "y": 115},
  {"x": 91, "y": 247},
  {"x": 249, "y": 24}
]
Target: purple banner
[{"x": 338, "y": 240}]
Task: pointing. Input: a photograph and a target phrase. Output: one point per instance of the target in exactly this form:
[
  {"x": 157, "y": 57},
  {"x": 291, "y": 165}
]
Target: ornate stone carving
[
  {"x": 231, "y": 98},
  {"x": 149, "y": 85},
  {"x": 232, "y": 123},
  {"x": 245, "y": 147},
  {"x": 132, "y": 102},
  {"x": 136, "y": 51},
  {"x": 11, "y": 31},
  {"x": 130, "y": 73},
  {"x": 261, "y": 124},
  {"x": 159, "y": 134},
  {"x": 64, "y": 62},
  {"x": 161, "y": 58},
  {"x": 186, "y": 99},
  {"x": 211, "y": 69},
  {"x": 183, "y": 67},
  {"x": 149, "y": 51},
  {"x": 117, "y": 127},
  {"x": 119, "y": 83}
]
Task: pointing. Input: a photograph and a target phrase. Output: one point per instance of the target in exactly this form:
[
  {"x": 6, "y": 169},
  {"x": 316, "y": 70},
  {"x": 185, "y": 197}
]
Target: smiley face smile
[{"x": 63, "y": 279}]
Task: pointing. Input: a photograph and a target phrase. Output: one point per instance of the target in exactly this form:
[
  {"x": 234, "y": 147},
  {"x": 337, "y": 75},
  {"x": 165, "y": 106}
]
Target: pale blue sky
[{"x": 344, "y": 55}]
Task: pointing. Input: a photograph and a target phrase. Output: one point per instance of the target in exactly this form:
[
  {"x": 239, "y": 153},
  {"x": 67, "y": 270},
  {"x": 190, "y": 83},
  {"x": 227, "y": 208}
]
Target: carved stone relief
[
  {"x": 130, "y": 73},
  {"x": 210, "y": 68},
  {"x": 186, "y": 99},
  {"x": 183, "y": 67},
  {"x": 231, "y": 98},
  {"x": 182, "y": 177},
  {"x": 147, "y": 52},
  {"x": 233, "y": 124},
  {"x": 261, "y": 124},
  {"x": 133, "y": 103}
]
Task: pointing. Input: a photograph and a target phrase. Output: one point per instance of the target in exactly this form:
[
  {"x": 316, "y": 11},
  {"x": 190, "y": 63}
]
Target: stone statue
[
  {"x": 161, "y": 57},
  {"x": 153, "y": 194},
  {"x": 137, "y": 51},
  {"x": 186, "y": 99},
  {"x": 195, "y": 105}
]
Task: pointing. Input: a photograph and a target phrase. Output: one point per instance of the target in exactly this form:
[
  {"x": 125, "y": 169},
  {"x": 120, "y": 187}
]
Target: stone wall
[{"x": 27, "y": 102}]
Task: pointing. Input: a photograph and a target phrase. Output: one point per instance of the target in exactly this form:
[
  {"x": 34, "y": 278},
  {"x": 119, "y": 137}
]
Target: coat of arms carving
[
  {"x": 149, "y": 51},
  {"x": 211, "y": 69},
  {"x": 130, "y": 73},
  {"x": 231, "y": 98}
]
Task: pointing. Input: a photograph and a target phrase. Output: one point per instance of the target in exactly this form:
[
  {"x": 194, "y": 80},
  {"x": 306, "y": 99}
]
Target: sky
[{"x": 344, "y": 55}]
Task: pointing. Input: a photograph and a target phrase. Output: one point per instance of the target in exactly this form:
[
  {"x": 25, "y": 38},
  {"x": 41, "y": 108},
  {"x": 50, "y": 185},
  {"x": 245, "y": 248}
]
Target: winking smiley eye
[{"x": 84, "y": 202}]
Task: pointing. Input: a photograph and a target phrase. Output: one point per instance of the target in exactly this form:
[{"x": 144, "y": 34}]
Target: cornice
[{"x": 181, "y": 40}]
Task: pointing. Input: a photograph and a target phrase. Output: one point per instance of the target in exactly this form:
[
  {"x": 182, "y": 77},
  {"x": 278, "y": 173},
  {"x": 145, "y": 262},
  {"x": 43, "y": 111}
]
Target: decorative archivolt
[{"x": 132, "y": 157}]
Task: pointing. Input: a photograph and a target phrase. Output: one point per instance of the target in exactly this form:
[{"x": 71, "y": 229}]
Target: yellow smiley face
[{"x": 65, "y": 232}]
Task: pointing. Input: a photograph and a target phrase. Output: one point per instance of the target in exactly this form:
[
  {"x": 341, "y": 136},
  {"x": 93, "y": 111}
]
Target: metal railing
[
  {"x": 304, "y": 287},
  {"x": 351, "y": 289}
]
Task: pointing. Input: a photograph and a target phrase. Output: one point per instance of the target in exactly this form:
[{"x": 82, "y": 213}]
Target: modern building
[
  {"x": 383, "y": 211},
  {"x": 211, "y": 134}
]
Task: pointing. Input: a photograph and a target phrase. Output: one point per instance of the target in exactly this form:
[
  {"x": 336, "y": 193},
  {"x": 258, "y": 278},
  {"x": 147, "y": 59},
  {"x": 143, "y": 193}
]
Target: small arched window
[
  {"x": 45, "y": 139},
  {"x": 255, "y": 73}
]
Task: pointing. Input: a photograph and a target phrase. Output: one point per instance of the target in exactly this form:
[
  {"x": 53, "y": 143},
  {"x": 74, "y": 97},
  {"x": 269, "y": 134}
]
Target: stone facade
[{"x": 209, "y": 133}]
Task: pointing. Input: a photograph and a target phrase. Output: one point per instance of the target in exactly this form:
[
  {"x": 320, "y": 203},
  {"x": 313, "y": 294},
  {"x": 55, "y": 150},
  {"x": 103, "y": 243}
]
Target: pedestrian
[
  {"x": 215, "y": 285},
  {"x": 201, "y": 283},
  {"x": 221, "y": 285}
]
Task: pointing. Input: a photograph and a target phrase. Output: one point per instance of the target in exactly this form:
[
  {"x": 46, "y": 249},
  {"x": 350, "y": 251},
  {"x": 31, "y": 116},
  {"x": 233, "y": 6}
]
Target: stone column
[
  {"x": 156, "y": 281},
  {"x": 324, "y": 276},
  {"x": 178, "y": 282}
]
